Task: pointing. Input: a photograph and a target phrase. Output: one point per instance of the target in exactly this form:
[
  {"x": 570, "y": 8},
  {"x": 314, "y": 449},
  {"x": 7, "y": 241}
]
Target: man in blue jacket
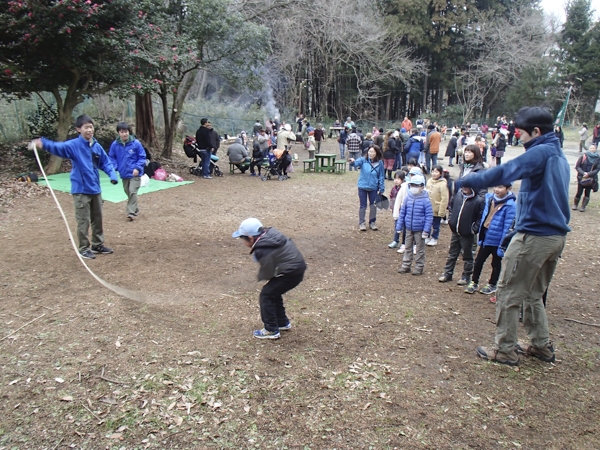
[
  {"x": 129, "y": 157},
  {"x": 86, "y": 156},
  {"x": 541, "y": 224}
]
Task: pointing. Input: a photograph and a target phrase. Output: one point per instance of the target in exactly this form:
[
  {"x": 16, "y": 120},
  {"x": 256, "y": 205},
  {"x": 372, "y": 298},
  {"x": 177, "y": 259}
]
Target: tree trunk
[
  {"x": 144, "y": 120},
  {"x": 65, "y": 113},
  {"x": 388, "y": 105},
  {"x": 178, "y": 99},
  {"x": 424, "y": 108}
]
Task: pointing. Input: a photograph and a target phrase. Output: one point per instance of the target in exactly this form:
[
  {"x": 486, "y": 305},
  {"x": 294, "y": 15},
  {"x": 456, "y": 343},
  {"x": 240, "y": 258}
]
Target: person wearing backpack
[
  {"x": 587, "y": 167},
  {"x": 414, "y": 146}
]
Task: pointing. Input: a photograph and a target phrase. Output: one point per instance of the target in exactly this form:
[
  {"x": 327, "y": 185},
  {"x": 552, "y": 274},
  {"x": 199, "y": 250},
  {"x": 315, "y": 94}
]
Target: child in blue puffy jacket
[
  {"x": 416, "y": 215},
  {"x": 128, "y": 156},
  {"x": 498, "y": 215}
]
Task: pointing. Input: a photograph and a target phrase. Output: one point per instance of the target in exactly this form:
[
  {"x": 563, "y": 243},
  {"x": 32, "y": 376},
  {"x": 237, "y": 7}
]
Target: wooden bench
[
  {"x": 233, "y": 166},
  {"x": 309, "y": 164},
  {"x": 340, "y": 166}
]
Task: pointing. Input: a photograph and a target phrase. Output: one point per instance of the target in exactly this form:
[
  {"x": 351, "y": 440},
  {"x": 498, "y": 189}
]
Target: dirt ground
[{"x": 375, "y": 359}]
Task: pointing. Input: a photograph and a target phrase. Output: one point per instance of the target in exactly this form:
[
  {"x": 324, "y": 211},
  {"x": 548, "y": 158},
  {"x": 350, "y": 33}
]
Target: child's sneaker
[
  {"x": 87, "y": 254},
  {"x": 472, "y": 287},
  {"x": 402, "y": 249},
  {"x": 286, "y": 327},
  {"x": 101, "y": 249},
  {"x": 362, "y": 227},
  {"x": 372, "y": 226},
  {"x": 266, "y": 334},
  {"x": 393, "y": 244},
  {"x": 445, "y": 278},
  {"x": 463, "y": 281},
  {"x": 432, "y": 242},
  {"x": 488, "y": 289}
]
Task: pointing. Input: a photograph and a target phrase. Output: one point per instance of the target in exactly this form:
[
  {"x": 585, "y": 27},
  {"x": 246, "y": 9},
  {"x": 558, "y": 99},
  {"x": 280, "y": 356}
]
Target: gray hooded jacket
[
  {"x": 277, "y": 255},
  {"x": 237, "y": 152}
]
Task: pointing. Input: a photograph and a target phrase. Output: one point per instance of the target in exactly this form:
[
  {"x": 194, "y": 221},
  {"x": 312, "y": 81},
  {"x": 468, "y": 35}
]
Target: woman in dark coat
[
  {"x": 451, "y": 148},
  {"x": 472, "y": 162},
  {"x": 587, "y": 167}
]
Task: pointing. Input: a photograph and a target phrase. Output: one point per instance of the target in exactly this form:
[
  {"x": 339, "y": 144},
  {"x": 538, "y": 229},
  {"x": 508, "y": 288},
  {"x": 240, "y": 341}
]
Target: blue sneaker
[
  {"x": 266, "y": 334},
  {"x": 286, "y": 327},
  {"x": 252, "y": 174}
]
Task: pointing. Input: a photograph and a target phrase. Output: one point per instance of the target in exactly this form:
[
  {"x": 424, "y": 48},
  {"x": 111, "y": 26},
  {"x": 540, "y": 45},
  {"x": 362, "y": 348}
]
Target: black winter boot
[
  {"x": 584, "y": 203},
  {"x": 389, "y": 174},
  {"x": 576, "y": 204}
]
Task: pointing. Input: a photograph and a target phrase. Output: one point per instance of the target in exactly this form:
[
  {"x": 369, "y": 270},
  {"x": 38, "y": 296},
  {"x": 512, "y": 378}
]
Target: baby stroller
[
  {"x": 278, "y": 165},
  {"x": 190, "y": 147}
]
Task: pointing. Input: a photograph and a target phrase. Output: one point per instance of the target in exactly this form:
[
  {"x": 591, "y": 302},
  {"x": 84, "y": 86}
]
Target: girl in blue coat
[
  {"x": 498, "y": 215},
  {"x": 129, "y": 157},
  {"x": 371, "y": 181}
]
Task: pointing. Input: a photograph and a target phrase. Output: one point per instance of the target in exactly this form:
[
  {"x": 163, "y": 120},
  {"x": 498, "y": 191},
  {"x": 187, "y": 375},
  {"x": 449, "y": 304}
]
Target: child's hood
[{"x": 271, "y": 238}]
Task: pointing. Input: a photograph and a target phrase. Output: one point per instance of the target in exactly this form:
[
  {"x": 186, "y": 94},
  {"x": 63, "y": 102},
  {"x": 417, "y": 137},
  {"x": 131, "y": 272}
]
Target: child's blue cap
[{"x": 249, "y": 227}]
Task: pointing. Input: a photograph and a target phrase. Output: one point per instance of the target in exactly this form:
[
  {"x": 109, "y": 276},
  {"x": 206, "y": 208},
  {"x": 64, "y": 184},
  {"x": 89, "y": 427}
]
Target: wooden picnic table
[
  {"x": 325, "y": 162},
  {"x": 335, "y": 130}
]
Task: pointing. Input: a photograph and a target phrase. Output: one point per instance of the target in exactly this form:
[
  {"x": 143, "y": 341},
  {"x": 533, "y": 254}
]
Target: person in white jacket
[{"x": 583, "y": 136}]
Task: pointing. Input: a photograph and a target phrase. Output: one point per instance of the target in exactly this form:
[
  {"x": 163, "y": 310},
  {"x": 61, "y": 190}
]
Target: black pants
[
  {"x": 458, "y": 243},
  {"x": 581, "y": 189},
  {"x": 256, "y": 163},
  {"x": 272, "y": 311},
  {"x": 482, "y": 256}
]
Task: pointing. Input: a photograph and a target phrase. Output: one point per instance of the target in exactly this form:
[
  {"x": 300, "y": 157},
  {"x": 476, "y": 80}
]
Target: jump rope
[{"x": 133, "y": 295}]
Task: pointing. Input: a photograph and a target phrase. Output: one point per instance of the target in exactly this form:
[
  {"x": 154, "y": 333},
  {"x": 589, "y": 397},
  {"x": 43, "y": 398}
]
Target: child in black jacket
[
  {"x": 281, "y": 263},
  {"x": 465, "y": 218},
  {"x": 257, "y": 159}
]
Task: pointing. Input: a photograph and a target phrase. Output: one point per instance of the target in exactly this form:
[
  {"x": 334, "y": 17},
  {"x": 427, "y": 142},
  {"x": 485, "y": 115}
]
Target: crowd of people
[
  {"x": 480, "y": 220},
  {"x": 527, "y": 230}
]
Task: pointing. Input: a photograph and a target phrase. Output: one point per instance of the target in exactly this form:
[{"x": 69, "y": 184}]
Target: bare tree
[
  {"x": 501, "y": 49},
  {"x": 330, "y": 42}
]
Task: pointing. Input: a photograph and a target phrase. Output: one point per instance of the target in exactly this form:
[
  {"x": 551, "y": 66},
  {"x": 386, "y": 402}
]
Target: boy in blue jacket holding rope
[{"x": 87, "y": 156}]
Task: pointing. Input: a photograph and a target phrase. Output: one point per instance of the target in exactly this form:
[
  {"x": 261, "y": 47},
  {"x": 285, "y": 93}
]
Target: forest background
[{"x": 166, "y": 63}]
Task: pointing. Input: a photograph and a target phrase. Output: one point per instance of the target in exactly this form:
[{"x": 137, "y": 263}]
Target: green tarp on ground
[{"x": 110, "y": 192}]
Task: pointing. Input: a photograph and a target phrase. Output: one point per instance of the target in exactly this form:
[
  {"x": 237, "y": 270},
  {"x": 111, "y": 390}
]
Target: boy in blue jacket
[
  {"x": 87, "y": 156},
  {"x": 417, "y": 216},
  {"x": 129, "y": 157},
  {"x": 498, "y": 215}
]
